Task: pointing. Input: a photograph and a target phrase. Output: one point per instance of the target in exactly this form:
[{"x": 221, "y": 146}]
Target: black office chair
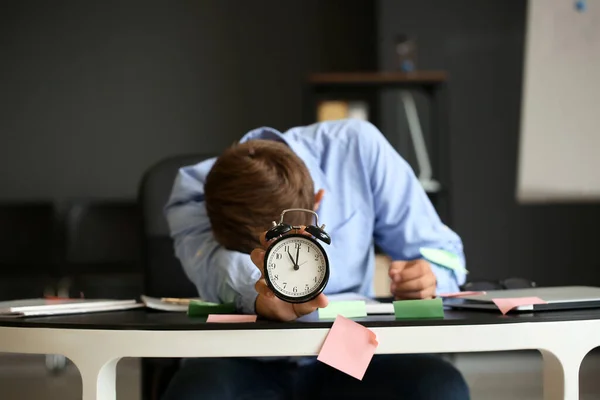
[
  {"x": 102, "y": 249},
  {"x": 29, "y": 249},
  {"x": 163, "y": 274},
  {"x": 30, "y": 252}
]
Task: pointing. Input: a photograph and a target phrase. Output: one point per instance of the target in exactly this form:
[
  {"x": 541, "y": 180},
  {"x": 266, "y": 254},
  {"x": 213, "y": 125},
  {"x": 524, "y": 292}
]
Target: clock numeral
[
  {"x": 308, "y": 249},
  {"x": 272, "y": 265},
  {"x": 316, "y": 257},
  {"x": 306, "y": 287},
  {"x": 321, "y": 268},
  {"x": 275, "y": 277},
  {"x": 284, "y": 284},
  {"x": 278, "y": 256},
  {"x": 298, "y": 245},
  {"x": 286, "y": 248},
  {"x": 315, "y": 279},
  {"x": 295, "y": 289}
]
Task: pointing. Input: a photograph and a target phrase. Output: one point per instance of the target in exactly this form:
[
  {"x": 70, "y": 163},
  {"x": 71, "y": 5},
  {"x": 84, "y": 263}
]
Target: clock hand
[
  {"x": 297, "y": 255},
  {"x": 292, "y": 258}
]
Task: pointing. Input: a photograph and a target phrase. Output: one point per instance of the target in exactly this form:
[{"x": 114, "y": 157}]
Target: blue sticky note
[{"x": 443, "y": 258}]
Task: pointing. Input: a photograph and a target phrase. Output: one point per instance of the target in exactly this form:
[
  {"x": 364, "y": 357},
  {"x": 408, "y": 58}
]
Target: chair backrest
[
  {"x": 101, "y": 236},
  {"x": 28, "y": 238},
  {"x": 163, "y": 273},
  {"x": 29, "y": 249}
]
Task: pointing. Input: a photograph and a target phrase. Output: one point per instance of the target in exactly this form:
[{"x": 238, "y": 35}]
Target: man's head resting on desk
[{"x": 248, "y": 187}]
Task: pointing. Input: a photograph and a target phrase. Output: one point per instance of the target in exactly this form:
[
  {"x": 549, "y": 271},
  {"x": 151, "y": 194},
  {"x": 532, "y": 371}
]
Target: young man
[{"x": 365, "y": 193}]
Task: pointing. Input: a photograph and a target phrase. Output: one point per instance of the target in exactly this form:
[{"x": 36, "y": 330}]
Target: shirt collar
[
  {"x": 265, "y": 133},
  {"x": 268, "y": 133}
]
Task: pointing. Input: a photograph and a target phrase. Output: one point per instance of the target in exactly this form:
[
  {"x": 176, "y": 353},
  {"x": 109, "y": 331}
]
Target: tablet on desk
[{"x": 556, "y": 298}]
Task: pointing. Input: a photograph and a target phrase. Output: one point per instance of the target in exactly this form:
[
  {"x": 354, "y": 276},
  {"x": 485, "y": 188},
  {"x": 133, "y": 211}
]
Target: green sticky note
[
  {"x": 419, "y": 309},
  {"x": 203, "y": 308},
  {"x": 443, "y": 258},
  {"x": 348, "y": 309}
]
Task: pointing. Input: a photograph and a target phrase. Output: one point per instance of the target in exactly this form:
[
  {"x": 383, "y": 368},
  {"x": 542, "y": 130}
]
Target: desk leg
[
  {"x": 561, "y": 374},
  {"x": 98, "y": 378}
]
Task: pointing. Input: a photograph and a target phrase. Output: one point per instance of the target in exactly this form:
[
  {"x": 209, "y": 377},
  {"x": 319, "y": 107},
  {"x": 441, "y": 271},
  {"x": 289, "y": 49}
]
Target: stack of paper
[
  {"x": 58, "y": 306},
  {"x": 170, "y": 304}
]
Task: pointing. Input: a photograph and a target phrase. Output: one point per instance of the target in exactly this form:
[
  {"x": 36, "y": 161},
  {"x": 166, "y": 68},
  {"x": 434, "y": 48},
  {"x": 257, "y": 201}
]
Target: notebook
[{"x": 555, "y": 298}]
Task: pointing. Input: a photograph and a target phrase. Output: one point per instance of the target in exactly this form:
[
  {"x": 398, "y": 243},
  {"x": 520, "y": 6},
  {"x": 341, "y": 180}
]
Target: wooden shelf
[{"x": 391, "y": 77}]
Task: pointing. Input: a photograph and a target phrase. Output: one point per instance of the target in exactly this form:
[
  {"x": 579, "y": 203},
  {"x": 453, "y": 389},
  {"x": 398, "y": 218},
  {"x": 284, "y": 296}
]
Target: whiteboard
[{"x": 559, "y": 144}]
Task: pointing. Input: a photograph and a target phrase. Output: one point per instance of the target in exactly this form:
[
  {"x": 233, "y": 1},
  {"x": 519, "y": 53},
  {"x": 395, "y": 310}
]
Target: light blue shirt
[{"x": 371, "y": 196}]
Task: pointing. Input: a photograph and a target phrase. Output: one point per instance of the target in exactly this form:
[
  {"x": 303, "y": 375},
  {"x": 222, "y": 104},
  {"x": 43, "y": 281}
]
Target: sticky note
[
  {"x": 204, "y": 308},
  {"x": 231, "y": 318},
  {"x": 419, "y": 309},
  {"x": 349, "y": 347},
  {"x": 348, "y": 309},
  {"x": 505, "y": 305},
  {"x": 443, "y": 258}
]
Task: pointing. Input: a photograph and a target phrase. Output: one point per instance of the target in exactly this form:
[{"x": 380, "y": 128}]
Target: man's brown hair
[{"x": 249, "y": 186}]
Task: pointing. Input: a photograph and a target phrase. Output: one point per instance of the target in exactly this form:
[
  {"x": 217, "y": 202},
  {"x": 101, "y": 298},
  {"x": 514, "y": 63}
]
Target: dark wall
[
  {"x": 92, "y": 93},
  {"x": 480, "y": 44}
]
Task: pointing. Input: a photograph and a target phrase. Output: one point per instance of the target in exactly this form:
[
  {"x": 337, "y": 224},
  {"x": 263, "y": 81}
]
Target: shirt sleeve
[
  {"x": 405, "y": 219},
  {"x": 219, "y": 274}
]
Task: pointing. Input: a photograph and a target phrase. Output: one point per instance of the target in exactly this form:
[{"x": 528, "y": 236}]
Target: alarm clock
[{"x": 296, "y": 265}]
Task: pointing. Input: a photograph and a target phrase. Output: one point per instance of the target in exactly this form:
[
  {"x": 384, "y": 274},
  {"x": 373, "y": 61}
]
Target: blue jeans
[{"x": 406, "y": 377}]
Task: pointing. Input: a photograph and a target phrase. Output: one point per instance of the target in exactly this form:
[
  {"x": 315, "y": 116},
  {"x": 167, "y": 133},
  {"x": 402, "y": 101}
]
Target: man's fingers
[
  {"x": 320, "y": 301},
  {"x": 396, "y": 267},
  {"x": 414, "y": 270},
  {"x": 416, "y": 295},
  {"x": 262, "y": 289},
  {"x": 415, "y": 281},
  {"x": 258, "y": 257},
  {"x": 414, "y": 285}
]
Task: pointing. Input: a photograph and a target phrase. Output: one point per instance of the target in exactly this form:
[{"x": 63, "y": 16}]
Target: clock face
[{"x": 296, "y": 268}]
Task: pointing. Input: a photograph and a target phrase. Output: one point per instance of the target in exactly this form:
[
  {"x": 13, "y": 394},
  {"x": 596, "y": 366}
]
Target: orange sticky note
[
  {"x": 230, "y": 318},
  {"x": 505, "y": 305},
  {"x": 349, "y": 347}
]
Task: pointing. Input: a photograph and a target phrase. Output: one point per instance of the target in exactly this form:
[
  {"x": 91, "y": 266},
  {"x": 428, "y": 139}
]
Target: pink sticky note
[
  {"x": 229, "y": 318},
  {"x": 460, "y": 294},
  {"x": 349, "y": 347},
  {"x": 505, "y": 305}
]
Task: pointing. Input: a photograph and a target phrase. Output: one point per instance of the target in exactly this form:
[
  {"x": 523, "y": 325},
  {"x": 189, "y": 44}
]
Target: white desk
[{"x": 96, "y": 342}]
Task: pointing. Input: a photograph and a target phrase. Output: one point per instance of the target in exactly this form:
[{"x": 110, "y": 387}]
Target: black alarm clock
[{"x": 296, "y": 265}]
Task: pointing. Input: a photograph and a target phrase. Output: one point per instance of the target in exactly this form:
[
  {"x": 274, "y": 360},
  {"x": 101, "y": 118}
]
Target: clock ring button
[{"x": 277, "y": 231}]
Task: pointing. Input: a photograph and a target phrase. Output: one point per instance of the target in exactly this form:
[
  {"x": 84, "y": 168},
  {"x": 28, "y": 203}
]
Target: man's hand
[
  {"x": 412, "y": 280},
  {"x": 271, "y": 307}
]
